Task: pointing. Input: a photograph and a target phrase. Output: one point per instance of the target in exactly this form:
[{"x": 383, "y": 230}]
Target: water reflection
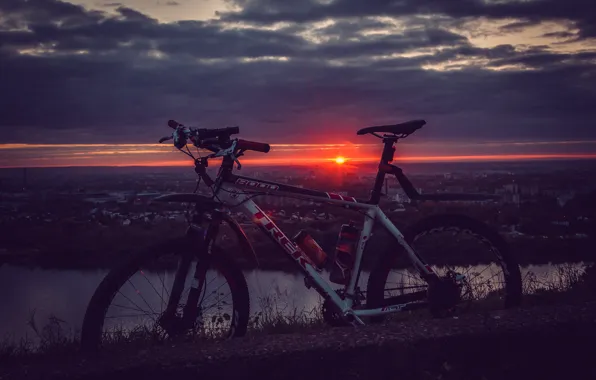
[{"x": 66, "y": 293}]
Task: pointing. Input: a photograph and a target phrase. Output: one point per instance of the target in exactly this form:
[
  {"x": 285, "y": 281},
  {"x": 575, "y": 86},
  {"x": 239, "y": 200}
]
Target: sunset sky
[{"x": 91, "y": 82}]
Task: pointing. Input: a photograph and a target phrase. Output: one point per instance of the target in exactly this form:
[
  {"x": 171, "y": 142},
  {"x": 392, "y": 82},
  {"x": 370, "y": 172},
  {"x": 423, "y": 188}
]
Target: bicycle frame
[{"x": 233, "y": 189}]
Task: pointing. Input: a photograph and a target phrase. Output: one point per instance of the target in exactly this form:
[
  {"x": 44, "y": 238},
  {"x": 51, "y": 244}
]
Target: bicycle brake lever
[
  {"x": 226, "y": 152},
  {"x": 166, "y": 138},
  {"x": 235, "y": 157}
]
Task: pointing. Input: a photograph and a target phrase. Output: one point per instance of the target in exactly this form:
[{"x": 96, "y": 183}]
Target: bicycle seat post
[{"x": 386, "y": 158}]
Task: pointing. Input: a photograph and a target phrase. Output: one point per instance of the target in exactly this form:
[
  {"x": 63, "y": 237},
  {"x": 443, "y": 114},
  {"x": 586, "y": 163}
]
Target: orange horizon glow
[
  {"x": 325, "y": 155},
  {"x": 310, "y": 161}
]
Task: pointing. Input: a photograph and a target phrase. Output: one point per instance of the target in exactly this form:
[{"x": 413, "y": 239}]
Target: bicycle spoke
[
  {"x": 129, "y": 300},
  {"x": 225, "y": 297},
  {"x": 163, "y": 286},
  {"x": 128, "y": 308},
  {"x": 140, "y": 295},
  {"x": 213, "y": 292},
  {"x": 128, "y": 316},
  {"x": 151, "y": 284}
]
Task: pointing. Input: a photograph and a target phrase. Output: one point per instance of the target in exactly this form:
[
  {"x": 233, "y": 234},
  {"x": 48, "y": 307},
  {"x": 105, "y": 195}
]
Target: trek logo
[
  {"x": 286, "y": 244},
  {"x": 255, "y": 184}
]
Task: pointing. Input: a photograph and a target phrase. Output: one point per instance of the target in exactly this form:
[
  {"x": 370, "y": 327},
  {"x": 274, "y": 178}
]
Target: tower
[{"x": 25, "y": 179}]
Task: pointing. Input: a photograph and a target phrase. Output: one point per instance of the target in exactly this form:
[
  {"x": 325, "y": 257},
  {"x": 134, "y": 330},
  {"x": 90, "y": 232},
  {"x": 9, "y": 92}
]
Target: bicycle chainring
[{"x": 331, "y": 315}]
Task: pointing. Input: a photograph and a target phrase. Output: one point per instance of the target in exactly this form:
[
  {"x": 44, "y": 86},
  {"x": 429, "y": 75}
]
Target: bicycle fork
[{"x": 203, "y": 238}]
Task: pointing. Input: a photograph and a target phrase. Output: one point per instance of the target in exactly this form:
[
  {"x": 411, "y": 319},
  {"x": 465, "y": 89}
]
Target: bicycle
[{"x": 439, "y": 294}]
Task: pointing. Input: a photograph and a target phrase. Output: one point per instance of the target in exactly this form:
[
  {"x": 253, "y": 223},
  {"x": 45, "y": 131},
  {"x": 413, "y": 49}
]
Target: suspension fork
[
  {"x": 205, "y": 239},
  {"x": 178, "y": 286},
  {"x": 202, "y": 238}
]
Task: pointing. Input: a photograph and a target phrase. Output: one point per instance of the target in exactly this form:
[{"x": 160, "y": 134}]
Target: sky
[{"x": 91, "y": 82}]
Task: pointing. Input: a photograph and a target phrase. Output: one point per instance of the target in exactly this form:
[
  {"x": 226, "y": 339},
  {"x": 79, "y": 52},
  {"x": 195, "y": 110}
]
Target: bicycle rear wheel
[
  {"x": 130, "y": 302},
  {"x": 452, "y": 245}
]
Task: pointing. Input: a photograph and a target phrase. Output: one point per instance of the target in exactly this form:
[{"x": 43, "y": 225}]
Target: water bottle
[
  {"x": 313, "y": 251},
  {"x": 345, "y": 252}
]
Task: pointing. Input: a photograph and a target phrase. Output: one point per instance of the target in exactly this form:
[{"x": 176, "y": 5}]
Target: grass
[
  {"x": 277, "y": 316},
  {"x": 570, "y": 284},
  {"x": 51, "y": 339}
]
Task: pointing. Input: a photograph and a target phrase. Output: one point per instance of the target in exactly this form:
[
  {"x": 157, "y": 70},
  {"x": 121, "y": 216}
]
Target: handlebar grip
[
  {"x": 173, "y": 124},
  {"x": 253, "y": 145},
  {"x": 232, "y": 130}
]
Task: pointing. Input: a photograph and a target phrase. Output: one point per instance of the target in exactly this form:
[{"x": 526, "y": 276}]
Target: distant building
[
  {"x": 564, "y": 198},
  {"x": 512, "y": 188},
  {"x": 454, "y": 189},
  {"x": 513, "y": 198},
  {"x": 531, "y": 190}
]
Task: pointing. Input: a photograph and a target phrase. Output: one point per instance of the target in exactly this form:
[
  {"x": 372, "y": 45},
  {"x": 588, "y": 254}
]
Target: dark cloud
[
  {"x": 209, "y": 40},
  {"x": 531, "y": 12},
  {"x": 385, "y": 44},
  {"x": 519, "y": 26},
  {"x": 133, "y": 15},
  {"x": 75, "y": 75},
  {"x": 541, "y": 60},
  {"x": 352, "y": 27},
  {"x": 559, "y": 35}
]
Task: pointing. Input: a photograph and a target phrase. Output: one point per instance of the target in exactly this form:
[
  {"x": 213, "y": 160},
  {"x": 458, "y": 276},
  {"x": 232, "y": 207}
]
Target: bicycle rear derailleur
[{"x": 445, "y": 294}]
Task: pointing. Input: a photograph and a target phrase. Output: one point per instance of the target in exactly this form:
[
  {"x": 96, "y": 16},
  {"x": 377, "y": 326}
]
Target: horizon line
[
  {"x": 11, "y": 146},
  {"x": 367, "y": 160}
]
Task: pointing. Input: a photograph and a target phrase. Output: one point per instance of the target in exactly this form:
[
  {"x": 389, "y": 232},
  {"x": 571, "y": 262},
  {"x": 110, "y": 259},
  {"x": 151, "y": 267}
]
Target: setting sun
[{"x": 339, "y": 160}]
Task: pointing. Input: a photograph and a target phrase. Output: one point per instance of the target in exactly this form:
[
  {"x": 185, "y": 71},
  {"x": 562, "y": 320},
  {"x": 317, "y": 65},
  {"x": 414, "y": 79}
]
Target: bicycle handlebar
[
  {"x": 211, "y": 139},
  {"x": 204, "y": 133}
]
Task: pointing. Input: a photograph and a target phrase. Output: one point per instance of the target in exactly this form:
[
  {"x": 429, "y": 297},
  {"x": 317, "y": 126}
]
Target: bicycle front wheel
[
  {"x": 453, "y": 245},
  {"x": 130, "y": 302}
]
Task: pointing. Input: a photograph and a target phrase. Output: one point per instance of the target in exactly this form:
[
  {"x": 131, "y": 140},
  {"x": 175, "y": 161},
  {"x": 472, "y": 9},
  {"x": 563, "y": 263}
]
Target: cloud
[
  {"x": 527, "y": 13},
  {"x": 559, "y": 35},
  {"x": 74, "y": 75}
]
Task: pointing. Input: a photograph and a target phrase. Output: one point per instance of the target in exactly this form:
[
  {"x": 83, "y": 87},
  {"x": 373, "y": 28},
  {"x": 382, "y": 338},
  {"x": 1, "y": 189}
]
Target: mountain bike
[{"x": 179, "y": 309}]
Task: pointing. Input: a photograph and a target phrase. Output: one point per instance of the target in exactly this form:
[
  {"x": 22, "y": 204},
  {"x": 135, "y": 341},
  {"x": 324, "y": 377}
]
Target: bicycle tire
[
  {"x": 380, "y": 272},
  {"x": 93, "y": 322}
]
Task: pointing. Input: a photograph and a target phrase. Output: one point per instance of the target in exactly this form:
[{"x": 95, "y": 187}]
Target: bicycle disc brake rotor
[{"x": 173, "y": 324}]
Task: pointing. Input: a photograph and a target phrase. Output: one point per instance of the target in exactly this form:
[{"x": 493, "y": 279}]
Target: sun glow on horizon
[{"x": 324, "y": 155}]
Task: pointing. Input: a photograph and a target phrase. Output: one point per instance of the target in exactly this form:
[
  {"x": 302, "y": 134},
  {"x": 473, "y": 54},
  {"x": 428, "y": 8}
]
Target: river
[{"x": 65, "y": 294}]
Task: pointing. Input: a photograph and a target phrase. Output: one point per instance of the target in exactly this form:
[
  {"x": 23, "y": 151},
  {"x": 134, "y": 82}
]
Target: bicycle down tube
[{"x": 234, "y": 190}]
